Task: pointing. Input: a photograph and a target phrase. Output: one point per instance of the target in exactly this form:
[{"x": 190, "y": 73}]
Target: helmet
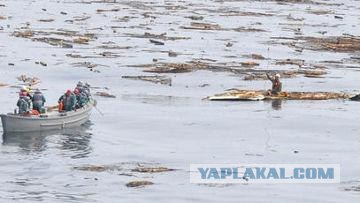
[
  {"x": 24, "y": 88},
  {"x": 80, "y": 84},
  {"x": 277, "y": 75},
  {"x": 68, "y": 92}
]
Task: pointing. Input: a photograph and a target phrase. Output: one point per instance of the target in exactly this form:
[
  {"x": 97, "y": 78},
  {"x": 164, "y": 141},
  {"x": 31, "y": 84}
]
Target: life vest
[{"x": 61, "y": 106}]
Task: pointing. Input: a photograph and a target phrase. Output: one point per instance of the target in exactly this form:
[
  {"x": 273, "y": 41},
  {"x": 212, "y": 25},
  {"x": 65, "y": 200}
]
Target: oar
[{"x": 98, "y": 110}]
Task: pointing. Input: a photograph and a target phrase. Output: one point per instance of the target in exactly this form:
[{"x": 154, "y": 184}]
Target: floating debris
[
  {"x": 195, "y": 17},
  {"x": 202, "y": 26},
  {"x": 92, "y": 168},
  {"x": 3, "y": 84},
  {"x": 172, "y": 54},
  {"x": 47, "y": 20},
  {"x": 249, "y": 64},
  {"x": 244, "y": 13},
  {"x": 336, "y": 44},
  {"x": 73, "y": 37},
  {"x": 41, "y": 63},
  {"x": 229, "y": 44},
  {"x": 81, "y": 18},
  {"x": 105, "y": 94},
  {"x": 168, "y": 68},
  {"x": 254, "y": 56},
  {"x": 154, "y": 79},
  {"x": 160, "y": 169},
  {"x": 107, "y": 10},
  {"x": 23, "y": 34},
  {"x": 139, "y": 183},
  {"x": 113, "y": 47},
  {"x": 162, "y": 36},
  {"x": 81, "y": 40},
  {"x": 235, "y": 94},
  {"x": 156, "y": 42},
  {"x": 247, "y": 29},
  {"x": 297, "y": 62},
  {"x": 31, "y": 81},
  {"x": 353, "y": 188}
]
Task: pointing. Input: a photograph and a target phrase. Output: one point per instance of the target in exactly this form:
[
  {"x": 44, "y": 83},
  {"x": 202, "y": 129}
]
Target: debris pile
[
  {"x": 164, "y": 80},
  {"x": 139, "y": 183},
  {"x": 30, "y": 81},
  {"x": 162, "y": 36},
  {"x": 105, "y": 94},
  {"x": 159, "y": 169},
  {"x": 236, "y": 94},
  {"x": 67, "y": 40},
  {"x": 336, "y": 44}
]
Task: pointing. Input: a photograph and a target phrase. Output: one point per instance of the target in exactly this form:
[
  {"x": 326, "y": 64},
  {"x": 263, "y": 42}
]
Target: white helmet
[
  {"x": 277, "y": 75},
  {"x": 24, "y": 88}
]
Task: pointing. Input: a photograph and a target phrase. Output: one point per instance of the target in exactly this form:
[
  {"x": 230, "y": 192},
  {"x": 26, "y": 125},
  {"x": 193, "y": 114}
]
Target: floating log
[{"x": 256, "y": 95}]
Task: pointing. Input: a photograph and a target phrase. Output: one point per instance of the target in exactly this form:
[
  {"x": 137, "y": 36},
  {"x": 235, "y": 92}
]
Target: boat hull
[{"x": 57, "y": 121}]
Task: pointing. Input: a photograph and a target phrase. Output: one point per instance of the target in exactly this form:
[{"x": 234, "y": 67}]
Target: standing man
[{"x": 276, "y": 84}]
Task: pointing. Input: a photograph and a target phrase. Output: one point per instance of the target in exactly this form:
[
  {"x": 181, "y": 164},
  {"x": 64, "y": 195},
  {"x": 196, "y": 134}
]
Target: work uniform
[
  {"x": 38, "y": 102},
  {"x": 81, "y": 99},
  {"x": 68, "y": 101},
  {"x": 24, "y": 104}
]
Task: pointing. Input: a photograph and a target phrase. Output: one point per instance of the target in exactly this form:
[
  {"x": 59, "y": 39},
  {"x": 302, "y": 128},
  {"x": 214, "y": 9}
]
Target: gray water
[{"x": 157, "y": 125}]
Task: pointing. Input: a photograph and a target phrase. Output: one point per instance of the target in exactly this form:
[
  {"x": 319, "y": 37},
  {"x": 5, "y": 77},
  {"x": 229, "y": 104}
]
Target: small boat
[
  {"x": 53, "y": 120},
  {"x": 257, "y": 95}
]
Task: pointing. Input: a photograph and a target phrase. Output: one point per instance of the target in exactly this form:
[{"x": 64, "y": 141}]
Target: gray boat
[{"x": 52, "y": 120}]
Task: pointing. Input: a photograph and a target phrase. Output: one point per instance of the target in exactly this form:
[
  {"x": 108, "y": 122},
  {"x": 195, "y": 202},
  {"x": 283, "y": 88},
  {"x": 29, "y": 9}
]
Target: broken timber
[{"x": 256, "y": 95}]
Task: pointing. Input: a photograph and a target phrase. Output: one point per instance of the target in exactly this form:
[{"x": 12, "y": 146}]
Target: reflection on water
[
  {"x": 276, "y": 104},
  {"x": 75, "y": 140}
]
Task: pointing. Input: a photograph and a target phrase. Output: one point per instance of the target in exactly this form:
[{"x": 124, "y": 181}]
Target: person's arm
[
  {"x": 73, "y": 101},
  {"x": 269, "y": 77}
]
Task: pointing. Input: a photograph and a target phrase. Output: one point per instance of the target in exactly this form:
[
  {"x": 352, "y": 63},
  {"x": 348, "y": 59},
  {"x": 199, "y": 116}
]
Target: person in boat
[
  {"x": 81, "y": 98},
  {"x": 87, "y": 90},
  {"x": 38, "y": 101},
  {"x": 276, "y": 84},
  {"x": 24, "y": 104},
  {"x": 84, "y": 88},
  {"x": 67, "y": 101}
]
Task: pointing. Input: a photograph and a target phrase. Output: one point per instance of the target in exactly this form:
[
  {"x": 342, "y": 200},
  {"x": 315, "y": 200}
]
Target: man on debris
[
  {"x": 38, "y": 100},
  {"x": 276, "y": 84},
  {"x": 67, "y": 101}
]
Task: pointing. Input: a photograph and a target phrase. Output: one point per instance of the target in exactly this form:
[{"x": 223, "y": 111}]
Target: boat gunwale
[{"x": 57, "y": 116}]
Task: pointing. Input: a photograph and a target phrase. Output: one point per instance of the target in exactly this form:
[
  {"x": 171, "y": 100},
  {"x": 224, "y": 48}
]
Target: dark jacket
[
  {"x": 69, "y": 101},
  {"x": 24, "y": 104},
  {"x": 276, "y": 84}
]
